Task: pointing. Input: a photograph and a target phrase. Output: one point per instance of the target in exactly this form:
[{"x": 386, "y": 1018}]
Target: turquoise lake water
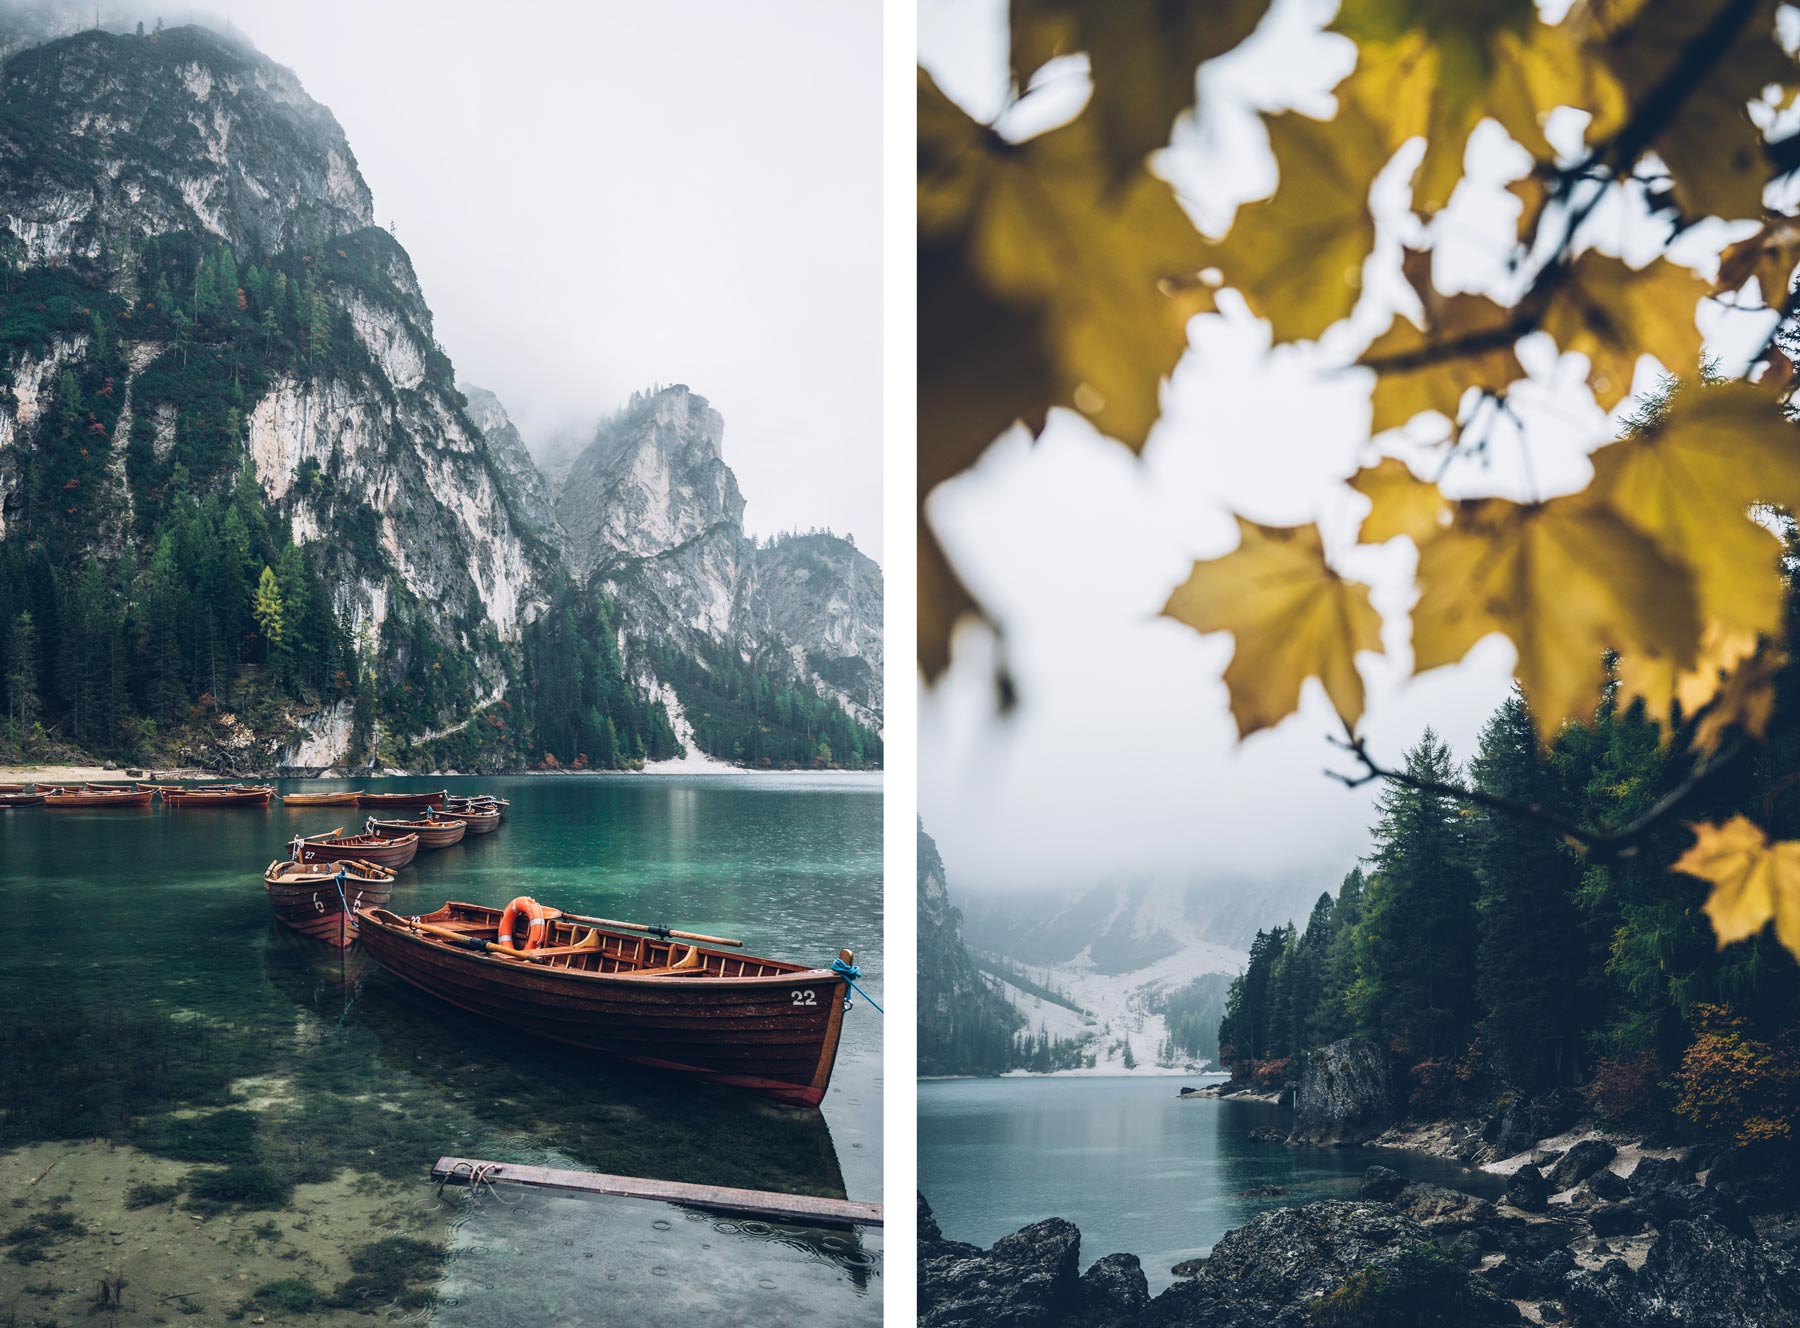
[
  {"x": 155, "y": 1007},
  {"x": 1138, "y": 1170}
]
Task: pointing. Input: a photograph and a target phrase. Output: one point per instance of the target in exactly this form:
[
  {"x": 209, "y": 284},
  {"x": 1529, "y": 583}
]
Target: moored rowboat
[
  {"x": 12, "y": 788},
  {"x": 239, "y": 796},
  {"x": 480, "y": 820},
  {"x": 82, "y": 797},
  {"x": 403, "y": 801},
  {"x": 763, "y": 1024},
  {"x": 20, "y": 799},
  {"x": 321, "y": 902},
  {"x": 391, "y": 851},
  {"x": 346, "y": 799},
  {"x": 432, "y": 832}
]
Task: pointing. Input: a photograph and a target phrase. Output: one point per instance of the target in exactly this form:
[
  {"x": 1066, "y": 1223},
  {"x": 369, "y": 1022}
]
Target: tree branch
[
  {"x": 1618, "y": 154},
  {"x": 1600, "y": 843}
]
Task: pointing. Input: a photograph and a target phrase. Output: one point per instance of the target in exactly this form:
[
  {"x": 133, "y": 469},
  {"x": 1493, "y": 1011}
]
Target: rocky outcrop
[
  {"x": 1344, "y": 1096},
  {"x": 1696, "y": 1275},
  {"x": 117, "y": 136},
  {"x": 522, "y": 481},
  {"x": 651, "y": 512},
  {"x": 1581, "y": 1161},
  {"x": 955, "y": 997}
]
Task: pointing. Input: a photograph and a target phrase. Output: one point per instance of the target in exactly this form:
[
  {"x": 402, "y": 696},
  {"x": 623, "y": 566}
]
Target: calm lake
[
  {"x": 233, "y": 1120},
  {"x": 1139, "y": 1171}
]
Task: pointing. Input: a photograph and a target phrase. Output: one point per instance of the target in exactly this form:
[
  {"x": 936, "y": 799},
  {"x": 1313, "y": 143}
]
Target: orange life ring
[{"x": 534, "y": 935}]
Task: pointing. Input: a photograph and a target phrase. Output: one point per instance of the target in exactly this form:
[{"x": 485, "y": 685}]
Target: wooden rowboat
[
  {"x": 391, "y": 851},
  {"x": 320, "y": 902},
  {"x": 82, "y": 797},
  {"x": 12, "y": 788},
  {"x": 404, "y": 802},
  {"x": 432, "y": 832},
  {"x": 480, "y": 820},
  {"x": 653, "y": 999},
  {"x": 20, "y": 799},
  {"x": 346, "y": 799},
  {"x": 218, "y": 797}
]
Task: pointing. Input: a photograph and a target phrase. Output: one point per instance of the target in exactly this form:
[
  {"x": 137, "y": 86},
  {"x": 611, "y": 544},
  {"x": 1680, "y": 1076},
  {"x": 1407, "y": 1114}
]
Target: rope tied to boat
[
  {"x": 850, "y": 973},
  {"x": 480, "y": 1176},
  {"x": 338, "y": 880}
]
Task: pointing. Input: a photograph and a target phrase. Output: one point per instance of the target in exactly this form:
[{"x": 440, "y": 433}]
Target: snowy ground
[
  {"x": 696, "y": 762},
  {"x": 1118, "y": 1002}
]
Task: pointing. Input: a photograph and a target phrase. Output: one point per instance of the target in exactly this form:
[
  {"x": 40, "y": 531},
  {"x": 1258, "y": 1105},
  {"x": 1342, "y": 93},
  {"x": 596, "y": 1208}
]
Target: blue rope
[
  {"x": 338, "y": 879},
  {"x": 850, "y": 973}
]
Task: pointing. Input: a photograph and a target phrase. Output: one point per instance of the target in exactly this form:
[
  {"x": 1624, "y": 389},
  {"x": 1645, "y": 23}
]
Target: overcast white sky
[
  {"x": 1123, "y": 759},
  {"x": 602, "y": 195}
]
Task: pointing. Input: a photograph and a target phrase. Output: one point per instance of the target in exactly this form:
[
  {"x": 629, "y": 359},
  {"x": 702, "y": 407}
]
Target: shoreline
[{"x": 62, "y": 773}]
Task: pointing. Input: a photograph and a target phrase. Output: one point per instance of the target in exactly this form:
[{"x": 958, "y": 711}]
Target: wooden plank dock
[{"x": 766, "y": 1204}]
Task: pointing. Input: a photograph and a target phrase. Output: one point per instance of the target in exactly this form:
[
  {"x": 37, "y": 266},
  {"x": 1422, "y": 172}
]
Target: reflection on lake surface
[
  {"x": 1138, "y": 1170},
  {"x": 268, "y": 1109}
]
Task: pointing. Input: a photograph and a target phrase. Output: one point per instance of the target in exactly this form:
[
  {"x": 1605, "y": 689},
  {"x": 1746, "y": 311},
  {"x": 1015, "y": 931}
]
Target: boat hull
[
  {"x": 402, "y": 801},
  {"x": 123, "y": 799},
  {"x": 257, "y": 798},
  {"x": 741, "y": 1032},
  {"x": 349, "y": 799},
  {"x": 484, "y": 823},
  {"x": 394, "y": 854},
  {"x": 312, "y": 907},
  {"x": 21, "y": 799},
  {"x": 431, "y": 835}
]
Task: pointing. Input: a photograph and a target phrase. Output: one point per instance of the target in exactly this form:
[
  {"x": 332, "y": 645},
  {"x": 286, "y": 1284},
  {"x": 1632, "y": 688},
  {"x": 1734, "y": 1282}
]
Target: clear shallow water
[
  {"x": 1138, "y": 1170},
  {"x": 154, "y": 991}
]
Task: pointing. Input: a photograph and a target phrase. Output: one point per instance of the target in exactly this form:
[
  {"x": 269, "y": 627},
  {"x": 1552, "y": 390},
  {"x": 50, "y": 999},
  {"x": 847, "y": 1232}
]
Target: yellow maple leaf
[
  {"x": 1567, "y": 581},
  {"x": 1745, "y": 700},
  {"x": 1142, "y": 54},
  {"x": 1754, "y": 879},
  {"x": 1292, "y": 618},
  {"x": 1466, "y": 341},
  {"x": 1612, "y": 313},
  {"x": 1439, "y": 70},
  {"x": 1400, "y": 504},
  {"x": 1713, "y": 150},
  {"x": 1770, "y": 256},
  {"x": 1690, "y": 481},
  {"x": 1297, "y": 256},
  {"x": 1669, "y": 690},
  {"x": 1108, "y": 271}
]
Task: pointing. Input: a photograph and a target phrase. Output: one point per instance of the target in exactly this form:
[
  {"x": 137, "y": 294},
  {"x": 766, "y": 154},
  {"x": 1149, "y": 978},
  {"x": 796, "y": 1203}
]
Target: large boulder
[
  {"x": 1345, "y": 1094},
  {"x": 1698, "y": 1274},
  {"x": 1580, "y": 1162},
  {"x": 1528, "y": 1190},
  {"x": 1442, "y": 1211},
  {"x": 1112, "y": 1293},
  {"x": 1027, "y": 1280},
  {"x": 1667, "y": 1192}
]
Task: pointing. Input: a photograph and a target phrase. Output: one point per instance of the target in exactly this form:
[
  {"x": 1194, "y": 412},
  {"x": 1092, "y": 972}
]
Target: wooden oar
[{"x": 638, "y": 926}]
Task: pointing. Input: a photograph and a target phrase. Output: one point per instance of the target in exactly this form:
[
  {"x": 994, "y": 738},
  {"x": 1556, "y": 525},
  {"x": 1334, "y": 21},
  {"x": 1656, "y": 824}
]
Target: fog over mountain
[{"x": 588, "y": 221}]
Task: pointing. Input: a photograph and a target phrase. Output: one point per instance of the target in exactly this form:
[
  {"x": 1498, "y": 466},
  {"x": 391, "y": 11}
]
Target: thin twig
[{"x": 1602, "y": 844}]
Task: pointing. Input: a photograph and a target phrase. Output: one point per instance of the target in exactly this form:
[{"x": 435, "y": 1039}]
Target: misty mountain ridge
[{"x": 202, "y": 303}]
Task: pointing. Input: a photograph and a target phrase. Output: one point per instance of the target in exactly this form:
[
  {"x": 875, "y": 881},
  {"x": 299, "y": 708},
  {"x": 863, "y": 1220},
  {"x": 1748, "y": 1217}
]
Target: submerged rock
[{"x": 1344, "y": 1095}]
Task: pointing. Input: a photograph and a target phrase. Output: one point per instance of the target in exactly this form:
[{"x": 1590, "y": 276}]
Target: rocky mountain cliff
[
  {"x": 965, "y": 1025},
  {"x": 212, "y": 361},
  {"x": 652, "y": 513}
]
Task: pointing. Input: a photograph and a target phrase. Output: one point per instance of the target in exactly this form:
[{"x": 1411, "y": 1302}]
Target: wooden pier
[{"x": 765, "y": 1204}]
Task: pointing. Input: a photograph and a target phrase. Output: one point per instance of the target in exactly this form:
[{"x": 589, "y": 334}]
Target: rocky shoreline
[
  {"x": 1676, "y": 1242},
  {"x": 1595, "y": 1231}
]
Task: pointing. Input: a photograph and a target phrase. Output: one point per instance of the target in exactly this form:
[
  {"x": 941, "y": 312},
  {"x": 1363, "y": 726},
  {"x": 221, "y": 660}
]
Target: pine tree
[
  {"x": 1531, "y": 940},
  {"x": 1415, "y": 985},
  {"x": 267, "y": 611},
  {"x": 23, "y": 704}
]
